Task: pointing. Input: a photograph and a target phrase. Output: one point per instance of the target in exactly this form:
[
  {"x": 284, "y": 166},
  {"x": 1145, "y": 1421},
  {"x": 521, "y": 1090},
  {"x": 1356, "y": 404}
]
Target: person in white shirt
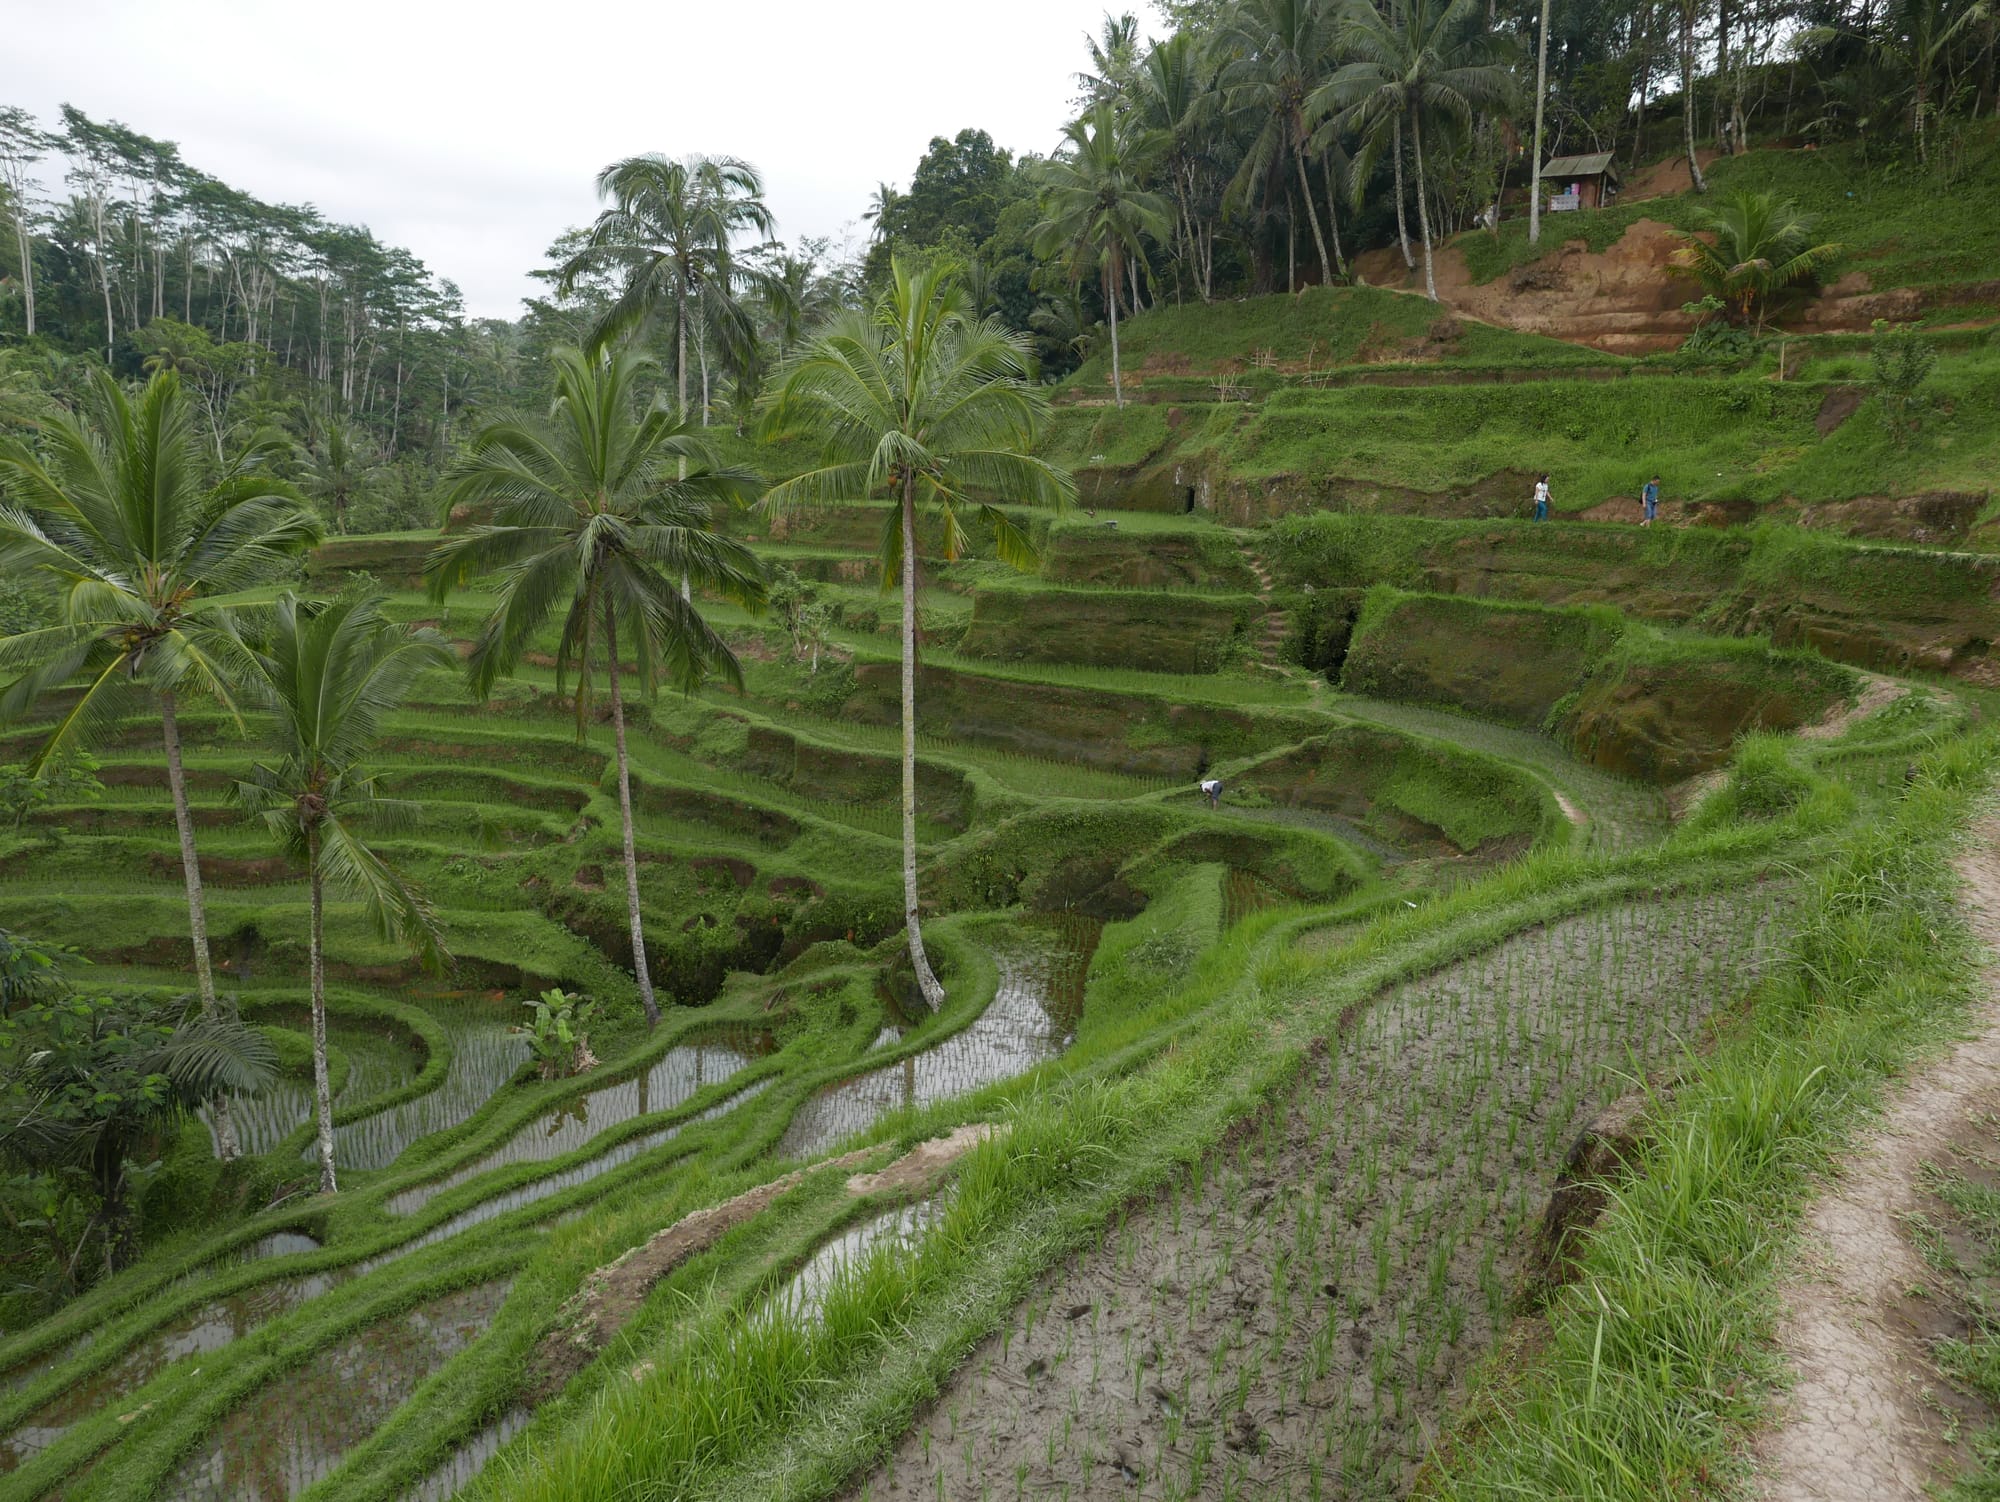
[
  {"x": 1542, "y": 499},
  {"x": 1211, "y": 789}
]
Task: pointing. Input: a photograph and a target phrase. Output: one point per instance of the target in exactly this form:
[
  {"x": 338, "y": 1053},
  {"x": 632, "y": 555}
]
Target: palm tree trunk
[
  {"x": 640, "y": 969},
  {"x": 1110, "y": 282},
  {"x": 322, "y": 1086},
  {"x": 1402, "y": 222},
  {"x": 227, "y": 1147},
  {"x": 1541, "y": 105},
  {"x": 1333, "y": 217},
  {"x": 1423, "y": 208},
  {"x": 1312, "y": 218},
  {"x": 927, "y": 980},
  {"x": 681, "y": 375}
]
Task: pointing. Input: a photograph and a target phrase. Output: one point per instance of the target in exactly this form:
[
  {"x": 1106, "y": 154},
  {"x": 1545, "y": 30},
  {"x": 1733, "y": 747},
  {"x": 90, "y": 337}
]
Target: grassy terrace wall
[
  {"x": 1122, "y": 732},
  {"x": 1506, "y": 662},
  {"x": 1090, "y": 552},
  {"x": 1894, "y": 608},
  {"x": 1151, "y": 631},
  {"x": 1626, "y": 699}
]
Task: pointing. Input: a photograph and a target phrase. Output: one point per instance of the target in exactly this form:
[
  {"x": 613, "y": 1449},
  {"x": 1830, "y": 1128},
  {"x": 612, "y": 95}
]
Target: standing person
[
  {"x": 1651, "y": 500},
  {"x": 1211, "y": 789},
  {"x": 1542, "y": 499}
]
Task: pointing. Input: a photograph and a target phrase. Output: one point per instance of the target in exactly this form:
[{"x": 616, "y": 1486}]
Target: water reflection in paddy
[
  {"x": 469, "y": 1459},
  {"x": 541, "y": 1189},
  {"x": 672, "y": 1080},
  {"x": 378, "y": 1060},
  {"x": 1031, "y": 1018},
  {"x": 296, "y": 1429},
  {"x": 484, "y": 1057},
  {"x": 902, "y": 1227},
  {"x": 207, "y": 1328}
]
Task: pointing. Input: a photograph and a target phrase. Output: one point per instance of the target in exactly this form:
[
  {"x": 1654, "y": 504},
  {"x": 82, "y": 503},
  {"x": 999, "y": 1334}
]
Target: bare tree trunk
[
  {"x": 1687, "y": 93},
  {"x": 1110, "y": 281},
  {"x": 927, "y": 980},
  {"x": 1541, "y": 104},
  {"x": 322, "y": 1086},
  {"x": 1402, "y": 223},
  {"x": 1312, "y": 218},
  {"x": 227, "y": 1147},
  {"x": 640, "y": 968},
  {"x": 681, "y": 377},
  {"x": 1333, "y": 217},
  {"x": 1423, "y": 207}
]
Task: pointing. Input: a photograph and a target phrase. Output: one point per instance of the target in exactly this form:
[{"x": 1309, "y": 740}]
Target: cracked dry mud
[
  {"x": 1868, "y": 1418},
  {"x": 1299, "y": 1318}
]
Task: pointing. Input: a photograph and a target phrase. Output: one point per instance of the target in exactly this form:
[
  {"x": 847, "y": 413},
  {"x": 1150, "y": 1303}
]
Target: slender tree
[
  {"x": 917, "y": 402},
  {"x": 328, "y": 677},
  {"x": 22, "y": 145},
  {"x": 592, "y": 508},
  {"x": 139, "y": 546},
  {"x": 1094, "y": 206},
  {"x": 1541, "y": 108},
  {"x": 1282, "y": 57},
  {"x": 1427, "y": 59}
]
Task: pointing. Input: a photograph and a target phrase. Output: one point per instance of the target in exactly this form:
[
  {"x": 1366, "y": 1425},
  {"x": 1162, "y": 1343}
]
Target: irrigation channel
[
  {"x": 297, "y": 1427},
  {"x": 1293, "y": 1318}
]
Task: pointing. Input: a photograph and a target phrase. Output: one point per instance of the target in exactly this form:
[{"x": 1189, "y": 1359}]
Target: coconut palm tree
[
  {"x": 917, "y": 402},
  {"x": 139, "y": 545},
  {"x": 1283, "y": 55},
  {"x": 340, "y": 464},
  {"x": 1762, "y": 246},
  {"x": 328, "y": 676},
  {"x": 1175, "y": 95},
  {"x": 1424, "y": 60},
  {"x": 1093, "y": 205},
  {"x": 671, "y": 232},
  {"x": 590, "y": 516}
]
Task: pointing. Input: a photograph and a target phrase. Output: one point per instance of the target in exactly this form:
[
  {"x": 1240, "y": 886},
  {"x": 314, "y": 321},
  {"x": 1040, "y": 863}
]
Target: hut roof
[{"x": 1597, "y": 162}]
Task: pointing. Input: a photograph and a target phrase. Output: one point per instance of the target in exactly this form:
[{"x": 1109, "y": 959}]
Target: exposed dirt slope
[
  {"x": 1869, "y": 1419},
  {"x": 1624, "y": 299}
]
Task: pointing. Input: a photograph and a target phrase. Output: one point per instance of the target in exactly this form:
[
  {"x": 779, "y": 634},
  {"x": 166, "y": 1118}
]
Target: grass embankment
[
  {"x": 1870, "y": 605},
  {"x": 1712, "y": 439},
  {"x": 1658, "y": 1357}
]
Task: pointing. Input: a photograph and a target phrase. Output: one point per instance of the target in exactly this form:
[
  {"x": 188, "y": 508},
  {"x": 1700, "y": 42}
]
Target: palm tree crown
[
  {"x": 141, "y": 548},
  {"x": 1763, "y": 245}
]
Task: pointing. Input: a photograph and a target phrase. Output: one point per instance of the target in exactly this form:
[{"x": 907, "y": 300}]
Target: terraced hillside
[{"x": 1226, "y": 1168}]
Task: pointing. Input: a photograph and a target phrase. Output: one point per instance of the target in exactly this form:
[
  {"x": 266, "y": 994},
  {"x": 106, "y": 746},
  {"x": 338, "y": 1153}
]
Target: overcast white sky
[{"x": 471, "y": 133}]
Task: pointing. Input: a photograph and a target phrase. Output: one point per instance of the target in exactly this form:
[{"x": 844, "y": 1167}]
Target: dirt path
[{"x": 1868, "y": 1419}]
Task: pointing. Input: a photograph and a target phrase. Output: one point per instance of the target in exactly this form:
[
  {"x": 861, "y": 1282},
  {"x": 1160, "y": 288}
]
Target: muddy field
[{"x": 1298, "y": 1317}]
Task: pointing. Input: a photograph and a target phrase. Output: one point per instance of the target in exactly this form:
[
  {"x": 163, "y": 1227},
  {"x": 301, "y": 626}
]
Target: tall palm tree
[
  {"x": 328, "y": 676},
  {"x": 918, "y": 402},
  {"x": 1425, "y": 60},
  {"x": 1283, "y": 53},
  {"x": 1093, "y": 205},
  {"x": 140, "y": 547},
  {"x": 588, "y": 512},
  {"x": 1762, "y": 246},
  {"x": 671, "y": 231}
]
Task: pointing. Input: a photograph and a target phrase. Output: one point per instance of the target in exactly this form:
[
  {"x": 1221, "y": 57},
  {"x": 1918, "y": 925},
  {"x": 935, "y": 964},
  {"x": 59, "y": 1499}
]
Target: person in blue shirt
[{"x": 1651, "y": 499}]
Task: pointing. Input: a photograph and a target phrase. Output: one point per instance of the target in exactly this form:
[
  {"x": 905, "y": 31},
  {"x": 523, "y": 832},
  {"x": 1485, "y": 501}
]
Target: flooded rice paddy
[
  {"x": 1031, "y": 1019},
  {"x": 297, "y": 1429},
  {"x": 901, "y": 1227},
  {"x": 675, "y": 1078}
]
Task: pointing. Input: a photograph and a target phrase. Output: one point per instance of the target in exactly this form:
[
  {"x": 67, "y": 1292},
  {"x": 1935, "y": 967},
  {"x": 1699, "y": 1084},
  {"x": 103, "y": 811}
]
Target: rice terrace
[{"x": 1289, "y": 795}]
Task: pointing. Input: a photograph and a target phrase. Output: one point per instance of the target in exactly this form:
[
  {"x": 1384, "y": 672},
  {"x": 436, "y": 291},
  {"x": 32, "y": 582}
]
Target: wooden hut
[{"x": 1579, "y": 182}]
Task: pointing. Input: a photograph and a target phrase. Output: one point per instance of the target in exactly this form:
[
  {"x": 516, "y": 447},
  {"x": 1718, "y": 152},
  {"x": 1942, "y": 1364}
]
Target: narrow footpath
[{"x": 1869, "y": 1418}]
